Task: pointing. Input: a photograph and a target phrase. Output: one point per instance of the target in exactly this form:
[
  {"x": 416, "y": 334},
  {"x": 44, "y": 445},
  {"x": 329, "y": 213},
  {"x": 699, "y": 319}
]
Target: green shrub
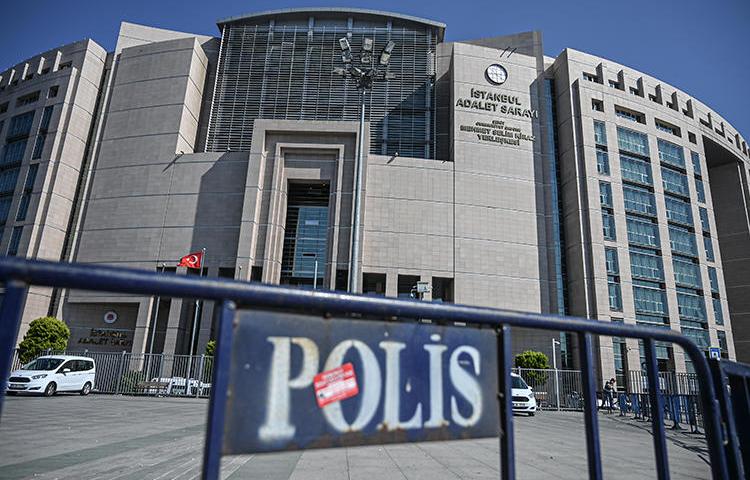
[
  {"x": 535, "y": 360},
  {"x": 44, "y": 333},
  {"x": 211, "y": 348}
]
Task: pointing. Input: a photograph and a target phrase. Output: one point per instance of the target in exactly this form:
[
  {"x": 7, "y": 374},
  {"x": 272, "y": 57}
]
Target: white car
[
  {"x": 55, "y": 373},
  {"x": 523, "y": 398}
]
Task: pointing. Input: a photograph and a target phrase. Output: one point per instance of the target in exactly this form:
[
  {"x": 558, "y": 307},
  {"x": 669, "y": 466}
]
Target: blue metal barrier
[
  {"x": 18, "y": 274},
  {"x": 732, "y": 382}
]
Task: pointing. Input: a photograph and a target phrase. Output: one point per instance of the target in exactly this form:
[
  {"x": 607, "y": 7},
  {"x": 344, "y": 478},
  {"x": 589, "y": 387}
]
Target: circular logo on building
[
  {"x": 496, "y": 74},
  {"x": 110, "y": 317}
]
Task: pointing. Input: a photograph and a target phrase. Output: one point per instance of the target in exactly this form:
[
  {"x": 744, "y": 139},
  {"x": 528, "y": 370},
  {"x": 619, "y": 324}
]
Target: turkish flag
[{"x": 192, "y": 260}]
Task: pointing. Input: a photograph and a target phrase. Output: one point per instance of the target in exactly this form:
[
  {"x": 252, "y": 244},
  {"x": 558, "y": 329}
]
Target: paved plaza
[{"x": 117, "y": 437}]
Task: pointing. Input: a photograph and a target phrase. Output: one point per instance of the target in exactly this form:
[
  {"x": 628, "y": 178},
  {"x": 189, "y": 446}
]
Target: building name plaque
[
  {"x": 497, "y": 132},
  {"x": 496, "y": 102}
]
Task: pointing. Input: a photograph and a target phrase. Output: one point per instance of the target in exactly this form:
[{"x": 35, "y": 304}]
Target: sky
[{"x": 700, "y": 47}]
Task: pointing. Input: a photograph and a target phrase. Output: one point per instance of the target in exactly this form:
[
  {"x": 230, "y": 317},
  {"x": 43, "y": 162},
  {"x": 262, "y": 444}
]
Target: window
[
  {"x": 639, "y": 200},
  {"x": 27, "y": 99},
  {"x": 704, "y": 219},
  {"x": 590, "y": 77},
  {"x": 602, "y": 162},
  {"x": 3, "y": 107},
  {"x": 714, "y": 279},
  {"x": 700, "y": 192},
  {"x": 691, "y": 305},
  {"x": 631, "y": 115},
  {"x": 597, "y": 105},
  {"x": 718, "y": 311},
  {"x": 646, "y": 264},
  {"x": 635, "y": 170},
  {"x": 686, "y": 272},
  {"x": 442, "y": 289},
  {"x": 20, "y": 125},
  {"x": 53, "y": 90},
  {"x": 31, "y": 177},
  {"x": 407, "y": 285},
  {"x": 373, "y": 283},
  {"x": 615, "y": 293},
  {"x": 649, "y": 298},
  {"x": 15, "y": 241},
  {"x": 667, "y": 127},
  {"x": 721, "y": 337},
  {"x": 674, "y": 182},
  {"x": 8, "y": 180},
  {"x": 671, "y": 153},
  {"x": 600, "y": 133},
  {"x": 682, "y": 241},
  {"x": 610, "y": 256},
  {"x": 632, "y": 141},
  {"x": 65, "y": 65},
  {"x": 608, "y": 225},
  {"x": 38, "y": 146},
  {"x": 696, "y": 163},
  {"x": 46, "y": 117},
  {"x": 5, "y": 209},
  {"x": 678, "y": 211},
  {"x": 643, "y": 232},
  {"x": 708, "y": 245},
  {"x": 14, "y": 152},
  {"x": 691, "y": 137},
  {"x": 605, "y": 194},
  {"x": 23, "y": 207}
]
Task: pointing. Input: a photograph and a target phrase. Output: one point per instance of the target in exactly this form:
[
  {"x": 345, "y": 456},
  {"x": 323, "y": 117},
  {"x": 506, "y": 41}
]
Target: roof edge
[{"x": 365, "y": 11}]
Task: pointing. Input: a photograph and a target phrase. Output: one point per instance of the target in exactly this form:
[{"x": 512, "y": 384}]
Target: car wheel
[
  {"x": 50, "y": 390},
  {"x": 86, "y": 388},
  {"x": 11, "y": 394},
  {"x": 531, "y": 414}
]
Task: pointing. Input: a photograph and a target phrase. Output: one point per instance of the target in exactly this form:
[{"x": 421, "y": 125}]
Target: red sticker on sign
[{"x": 335, "y": 385}]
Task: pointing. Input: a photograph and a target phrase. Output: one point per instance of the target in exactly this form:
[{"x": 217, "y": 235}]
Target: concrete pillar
[
  {"x": 391, "y": 284},
  {"x": 174, "y": 330},
  {"x": 143, "y": 326}
]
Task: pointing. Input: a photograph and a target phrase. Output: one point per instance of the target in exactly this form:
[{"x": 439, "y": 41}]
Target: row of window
[
  {"x": 649, "y": 293},
  {"x": 30, "y": 98}
]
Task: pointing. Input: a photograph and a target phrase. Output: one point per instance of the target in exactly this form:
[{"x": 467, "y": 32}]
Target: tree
[
  {"x": 534, "y": 360},
  {"x": 211, "y": 348},
  {"x": 44, "y": 333}
]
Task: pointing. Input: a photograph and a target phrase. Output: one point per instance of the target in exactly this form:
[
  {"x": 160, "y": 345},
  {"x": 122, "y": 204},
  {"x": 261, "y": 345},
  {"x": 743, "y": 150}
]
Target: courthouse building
[{"x": 498, "y": 175}]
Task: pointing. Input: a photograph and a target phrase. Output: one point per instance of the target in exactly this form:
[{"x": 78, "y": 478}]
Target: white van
[
  {"x": 523, "y": 397},
  {"x": 55, "y": 373}
]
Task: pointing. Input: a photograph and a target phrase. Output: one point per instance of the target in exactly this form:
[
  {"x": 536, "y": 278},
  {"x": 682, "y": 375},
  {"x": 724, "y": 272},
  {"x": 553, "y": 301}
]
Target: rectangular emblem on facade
[{"x": 302, "y": 381}]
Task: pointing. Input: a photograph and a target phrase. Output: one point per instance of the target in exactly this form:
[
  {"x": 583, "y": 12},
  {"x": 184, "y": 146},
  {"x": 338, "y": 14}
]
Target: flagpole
[
  {"x": 153, "y": 329},
  {"x": 195, "y": 324}
]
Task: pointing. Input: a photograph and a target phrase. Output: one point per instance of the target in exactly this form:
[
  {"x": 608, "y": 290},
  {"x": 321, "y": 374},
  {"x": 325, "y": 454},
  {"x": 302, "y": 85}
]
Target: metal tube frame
[{"x": 18, "y": 273}]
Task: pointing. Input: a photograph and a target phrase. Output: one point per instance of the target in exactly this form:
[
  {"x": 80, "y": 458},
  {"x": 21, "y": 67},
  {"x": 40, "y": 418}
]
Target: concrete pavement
[{"x": 119, "y": 438}]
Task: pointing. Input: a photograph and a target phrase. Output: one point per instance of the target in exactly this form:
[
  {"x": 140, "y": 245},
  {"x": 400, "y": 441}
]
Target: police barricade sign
[{"x": 300, "y": 381}]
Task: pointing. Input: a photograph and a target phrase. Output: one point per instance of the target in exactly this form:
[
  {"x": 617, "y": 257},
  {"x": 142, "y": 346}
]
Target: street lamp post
[
  {"x": 365, "y": 75},
  {"x": 554, "y": 365}
]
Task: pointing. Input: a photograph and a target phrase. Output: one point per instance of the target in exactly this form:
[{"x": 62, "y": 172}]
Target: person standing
[{"x": 609, "y": 389}]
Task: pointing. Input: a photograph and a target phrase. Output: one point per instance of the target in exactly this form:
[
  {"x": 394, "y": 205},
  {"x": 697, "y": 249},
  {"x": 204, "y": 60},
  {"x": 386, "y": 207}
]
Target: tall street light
[{"x": 366, "y": 74}]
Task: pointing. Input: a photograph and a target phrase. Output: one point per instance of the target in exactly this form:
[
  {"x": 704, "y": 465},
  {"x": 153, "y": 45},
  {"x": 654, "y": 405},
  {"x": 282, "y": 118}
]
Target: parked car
[
  {"x": 54, "y": 373},
  {"x": 523, "y": 397}
]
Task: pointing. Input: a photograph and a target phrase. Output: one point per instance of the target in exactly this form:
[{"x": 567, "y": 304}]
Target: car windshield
[
  {"x": 519, "y": 383},
  {"x": 43, "y": 364}
]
